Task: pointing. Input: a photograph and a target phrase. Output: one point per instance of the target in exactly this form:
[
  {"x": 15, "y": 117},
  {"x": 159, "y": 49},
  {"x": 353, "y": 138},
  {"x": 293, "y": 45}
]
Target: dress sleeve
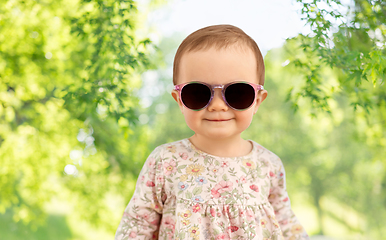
[
  {"x": 142, "y": 215},
  {"x": 289, "y": 224}
]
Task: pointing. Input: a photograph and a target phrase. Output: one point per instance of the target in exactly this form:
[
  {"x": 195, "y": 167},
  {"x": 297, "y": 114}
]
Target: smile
[{"x": 218, "y": 120}]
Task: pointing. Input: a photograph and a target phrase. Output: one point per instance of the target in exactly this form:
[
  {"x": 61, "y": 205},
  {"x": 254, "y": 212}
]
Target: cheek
[
  {"x": 245, "y": 118},
  {"x": 191, "y": 118}
]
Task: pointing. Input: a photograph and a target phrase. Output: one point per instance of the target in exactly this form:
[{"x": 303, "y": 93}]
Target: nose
[{"x": 217, "y": 103}]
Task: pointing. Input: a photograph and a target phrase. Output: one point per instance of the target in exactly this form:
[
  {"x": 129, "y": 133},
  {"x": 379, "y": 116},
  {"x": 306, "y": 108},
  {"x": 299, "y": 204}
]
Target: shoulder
[
  {"x": 276, "y": 171},
  {"x": 163, "y": 154},
  {"x": 173, "y": 146},
  {"x": 267, "y": 156},
  {"x": 169, "y": 149},
  {"x": 263, "y": 151}
]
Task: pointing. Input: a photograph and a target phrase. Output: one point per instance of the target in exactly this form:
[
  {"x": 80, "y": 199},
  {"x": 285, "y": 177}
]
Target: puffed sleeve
[
  {"x": 289, "y": 224},
  {"x": 142, "y": 215}
]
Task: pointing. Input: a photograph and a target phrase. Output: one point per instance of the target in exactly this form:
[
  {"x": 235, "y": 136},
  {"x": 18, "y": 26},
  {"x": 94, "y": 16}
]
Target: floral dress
[{"x": 183, "y": 193}]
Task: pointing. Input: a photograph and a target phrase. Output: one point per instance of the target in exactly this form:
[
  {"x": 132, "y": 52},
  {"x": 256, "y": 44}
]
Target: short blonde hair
[{"x": 219, "y": 37}]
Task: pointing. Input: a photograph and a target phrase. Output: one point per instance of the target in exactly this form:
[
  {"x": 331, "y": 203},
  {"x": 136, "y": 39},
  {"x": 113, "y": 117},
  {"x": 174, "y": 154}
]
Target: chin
[{"x": 219, "y": 135}]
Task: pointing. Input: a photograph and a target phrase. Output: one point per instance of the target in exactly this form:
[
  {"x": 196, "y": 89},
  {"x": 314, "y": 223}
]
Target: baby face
[{"x": 219, "y": 67}]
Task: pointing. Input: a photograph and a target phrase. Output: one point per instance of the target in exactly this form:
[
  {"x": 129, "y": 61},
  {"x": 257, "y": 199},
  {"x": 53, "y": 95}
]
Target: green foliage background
[
  {"x": 68, "y": 75},
  {"x": 74, "y": 133}
]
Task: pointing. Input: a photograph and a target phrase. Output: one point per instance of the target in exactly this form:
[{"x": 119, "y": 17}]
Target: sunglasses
[{"x": 237, "y": 95}]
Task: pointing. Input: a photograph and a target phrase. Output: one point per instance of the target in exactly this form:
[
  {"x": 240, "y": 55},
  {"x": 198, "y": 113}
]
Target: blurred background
[{"x": 85, "y": 97}]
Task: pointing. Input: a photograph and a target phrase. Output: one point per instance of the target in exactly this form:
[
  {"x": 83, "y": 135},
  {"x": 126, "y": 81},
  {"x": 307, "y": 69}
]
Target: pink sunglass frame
[{"x": 256, "y": 87}]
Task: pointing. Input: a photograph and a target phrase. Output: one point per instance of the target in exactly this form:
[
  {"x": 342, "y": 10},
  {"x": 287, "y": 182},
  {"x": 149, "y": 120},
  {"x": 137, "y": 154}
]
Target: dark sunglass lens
[
  {"x": 195, "y": 95},
  {"x": 240, "y": 95}
]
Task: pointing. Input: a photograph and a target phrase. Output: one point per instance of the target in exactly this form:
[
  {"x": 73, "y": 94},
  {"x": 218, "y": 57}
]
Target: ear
[
  {"x": 176, "y": 97},
  {"x": 261, "y": 96}
]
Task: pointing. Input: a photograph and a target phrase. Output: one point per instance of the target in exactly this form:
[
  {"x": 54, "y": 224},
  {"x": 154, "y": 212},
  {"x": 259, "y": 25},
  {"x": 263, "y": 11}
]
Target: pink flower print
[
  {"x": 254, "y": 188},
  {"x": 160, "y": 179},
  {"x": 233, "y": 228},
  {"x": 169, "y": 223},
  {"x": 271, "y": 174},
  {"x": 241, "y": 213},
  {"x": 170, "y": 167},
  {"x": 151, "y": 174},
  {"x": 250, "y": 215},
  {"x": 281, "y": 174},
  {"x": 215, "y": 192},
  {"x": 224, "y": 164},
  {"x": 223, "y": 186},
  {"x": 222, "y": 236},
  {"x": 243, "y": 179},
  {"x": 213, "y": 212},
  {"x": 196, "y": 208},
  {"x": 183, "y": 155},
  {"x": 285, "y": 199},
  {"x": 284, "y": 222},
  {"x": 142, "y": 178},
  {"x": 151, "y": 162},
  {"x": 150, "y": 184},
  {"x": 133, "y": 234},
  {"x": 145, "y": 216},
  {"x": 227, "y": 209},
  {"x": 155, "y": 222}
]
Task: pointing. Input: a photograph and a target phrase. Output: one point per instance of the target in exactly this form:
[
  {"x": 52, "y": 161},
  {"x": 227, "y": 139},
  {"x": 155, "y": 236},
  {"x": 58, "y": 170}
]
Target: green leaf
[
  {"x": 266, "y": 233},
  {"x": 197, "y": 191},
  {"x": 188, "y": 195},
  {"x": 225, "y": 177},
  {"x": 229, "y": 201},
  {"x": 181, "y": 167}
]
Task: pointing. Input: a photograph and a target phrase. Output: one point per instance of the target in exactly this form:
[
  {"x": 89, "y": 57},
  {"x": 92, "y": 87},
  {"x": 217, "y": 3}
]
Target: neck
[{"x": 229, "y": 147}]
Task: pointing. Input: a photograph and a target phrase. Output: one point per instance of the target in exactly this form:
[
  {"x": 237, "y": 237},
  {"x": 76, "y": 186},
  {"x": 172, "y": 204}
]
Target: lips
[{"x": 217, "y": 120}]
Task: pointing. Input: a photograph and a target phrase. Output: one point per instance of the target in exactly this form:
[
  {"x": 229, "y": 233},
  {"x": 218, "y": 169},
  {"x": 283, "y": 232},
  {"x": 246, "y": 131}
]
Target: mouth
[{"x": 218, "y": 120}]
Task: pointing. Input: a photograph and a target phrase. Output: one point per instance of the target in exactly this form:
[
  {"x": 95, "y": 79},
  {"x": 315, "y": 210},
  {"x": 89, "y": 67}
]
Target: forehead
[{"x": 218, "y": 66}]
